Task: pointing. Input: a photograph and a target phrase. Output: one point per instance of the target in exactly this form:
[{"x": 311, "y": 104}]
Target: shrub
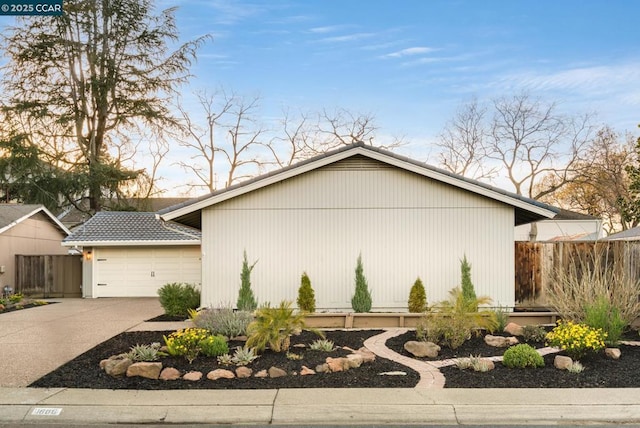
[
  {"x": 274, "y": 327},
  {"x": 361, "y": 300},
  {"x": 246, "y": 300},
  {"x": 475, "y": 362},
  {"x": 591, "y": 276},
  {"x": 224, "y": 321},
  {"x": 16, "y": 298},
  {"x": 576, "y": 367},
  {"x": 454, "y": 321},
  {"x": 533, "y": 333},
  {"x": 177, "y": 298},
  {"x": 144, "y": 352},
  {"x": 576, "y": 339},
  {"x": 214, "y": 346},
  {"x": 468, "y": 291},
  {"x": 417, "y": 297},
  {"x": 306, "y": 297},
  {"x": 502, "y": 317},
  {"x": 522, "y": 356},
  {"x": 602, "y": 315},
  {"x": 186, "y": 342}
]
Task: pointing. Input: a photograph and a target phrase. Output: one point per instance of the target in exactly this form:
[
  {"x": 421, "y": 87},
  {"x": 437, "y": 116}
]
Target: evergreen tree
[
  {"x": 246, "y": 299},
  {"x": 361, "y": 300},
  {"x": 306, "y": 296},
  {"x": 417, "y": 297},
  {"x": 468, "y": 292}
]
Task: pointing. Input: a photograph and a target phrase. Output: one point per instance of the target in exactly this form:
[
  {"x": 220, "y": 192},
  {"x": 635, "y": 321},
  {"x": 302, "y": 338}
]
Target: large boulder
[
  {"x": 145, "y": 369},
  {"x": 116, "y": 365},
  {"x": 422, "y": 349},
  {"x": 513, "y": 329},
  {"x": 562, "y": 362}
]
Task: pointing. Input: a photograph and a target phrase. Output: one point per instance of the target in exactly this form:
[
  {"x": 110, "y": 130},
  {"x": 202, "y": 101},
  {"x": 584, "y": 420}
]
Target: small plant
[
  {"x": 361, "y": 300},
  {"x": 293, "y": 356},
  {"x": 144, "y": 352},
  {"x": 417, "y": 297},
  {"x": 522, "y": 356},
  {"x": 224, "y": 321},
  {"x": 601, "y": 314},
  {"x": 243, "y": 356},
  {"x": 16, "y": 298},
  {"x": 474, "y": 362},
  {"x": 225, "y": 360},
  {"x": 186, "y": 342},
  {"x": 576, "y": 367},
  {"x": 577, "y": 340},
  {"x": 322, "y": 345},
  {"x": 306, "y": 296},
  {"x": 533, "y": 333},
  {"x": 246, "y": 299},
  {"x": 468, "y": 291},
  {"x": 274, "y": 327},
  {"x": 177, "y": 298},
  {"x": 214, "y": 346},
  {"x": 502, "y": 317}
]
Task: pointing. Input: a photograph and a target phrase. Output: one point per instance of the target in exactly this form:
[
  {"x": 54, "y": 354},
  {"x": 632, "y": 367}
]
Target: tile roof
[{"x": 125, "y": 227}]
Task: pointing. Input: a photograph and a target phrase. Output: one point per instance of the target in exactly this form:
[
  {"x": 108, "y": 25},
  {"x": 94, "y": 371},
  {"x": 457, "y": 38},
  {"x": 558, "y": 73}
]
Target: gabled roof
[
  {"x": 115, "y": 228},
  {"x": 632, "y": 234},
  {"x": 572, "y": 215},
  {"x": 527, "y": 210},
  {"x": 13, "y": 214}
]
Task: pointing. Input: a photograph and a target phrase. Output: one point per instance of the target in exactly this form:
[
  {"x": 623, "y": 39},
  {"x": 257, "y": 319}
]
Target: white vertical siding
[{"x": 404, "y": 225}]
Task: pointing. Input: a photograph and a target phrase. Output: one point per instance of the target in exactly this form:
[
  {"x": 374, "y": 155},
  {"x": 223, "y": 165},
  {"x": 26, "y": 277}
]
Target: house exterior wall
[
  {"x": 403, "y": 224},
  {"x": 562, "y": 230},
  {"x": 33, "y": 236}
]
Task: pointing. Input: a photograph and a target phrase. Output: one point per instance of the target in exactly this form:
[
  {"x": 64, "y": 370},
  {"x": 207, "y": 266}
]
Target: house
[
  {"x": 27, "y": 230},
  {"x": 565, "y": 226},
  {"x": 133, "y": 254},
  {"x": 405, "y": 218}
]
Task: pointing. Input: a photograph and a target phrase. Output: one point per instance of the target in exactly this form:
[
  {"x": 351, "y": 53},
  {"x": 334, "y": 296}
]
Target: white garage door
[{"x": 140, "y": 272}]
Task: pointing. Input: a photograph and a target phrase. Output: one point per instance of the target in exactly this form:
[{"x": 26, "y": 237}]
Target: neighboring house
[
  {"x": 632, "y": 234},
  {"x": 27, "y": 230},
  {"x": 405, "y": 218},
  {"x": 566, "y": 226},
  {"x": 133, "y": 254}
]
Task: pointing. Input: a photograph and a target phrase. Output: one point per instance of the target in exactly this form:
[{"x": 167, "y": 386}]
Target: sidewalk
[{"x": 34, "y": 342}]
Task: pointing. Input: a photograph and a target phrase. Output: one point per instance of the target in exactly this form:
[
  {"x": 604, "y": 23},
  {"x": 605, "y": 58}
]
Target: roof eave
[{"x": 147, "y": 243}]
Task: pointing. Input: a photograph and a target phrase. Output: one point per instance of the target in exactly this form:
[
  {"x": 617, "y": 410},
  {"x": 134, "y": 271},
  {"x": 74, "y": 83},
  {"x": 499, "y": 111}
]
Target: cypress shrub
[
  {"x": 468, "y": 292},
  {"x": 306, "y": 296},
  {"x": 417, "y": 297},
  {"x": 361, "y": 300},
  {"x": 246, "y": 300}
]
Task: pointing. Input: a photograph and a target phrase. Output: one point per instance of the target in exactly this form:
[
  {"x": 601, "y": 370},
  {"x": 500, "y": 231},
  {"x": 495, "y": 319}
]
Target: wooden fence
[
  {"x": 536, "y": 262},
  {"x": 49, "y": 276}
]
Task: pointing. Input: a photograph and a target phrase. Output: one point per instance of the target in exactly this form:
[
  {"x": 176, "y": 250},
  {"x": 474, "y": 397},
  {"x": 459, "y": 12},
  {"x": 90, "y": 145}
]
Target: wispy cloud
[
  {"x": 348, "y": 38},
  {"x": 327, "y": 29},
  {"x": 418, "y": 50}
]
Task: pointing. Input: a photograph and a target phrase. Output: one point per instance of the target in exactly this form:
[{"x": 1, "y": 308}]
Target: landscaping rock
[
  {"x": 422, "y": 349},
  {"x": 243, "y": 372},
  {"x": 220, "y": 374},
  {"x": 513, "y": 329},
  {"x": 192, "y": 376},
  {"x": 170, "y": 373},
  {"x": 613, "y": 353},
  {"x": 396, "y": 373},
  {"x": 306, "y": 371},
  {"x": 562, "y": 362},
  {"x": 367, "y": 355},
  {"x": 354, "y": 360},
  {"x": 322, "y": 368},
  {"x": 145, "y": 369},
  {"x": 276, "y": 372},
  {"x": 489, "y": 364},
  {"x": 500, "y": 341},
  {"x": 116, "y": 365},
  {"x": 262, "y": 374},
  {"x": 337, "y": 364}
]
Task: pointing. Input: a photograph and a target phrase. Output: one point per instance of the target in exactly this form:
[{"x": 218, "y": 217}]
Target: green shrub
[
  {"x": 417, "y": 297},
  {"x": 274, "y": 327},
  {"x": 502, "y": 314},
  {"x": 186, "y": 342},
  {"x": 306, "y": 296},
  {"x": 468, "y": 291},
  {"x": 453, "y": 322},
  {"x": 246, "y": 299},
  {"x": 214, "y": 346},
  {"x": 522, "y": 356},
  {"x": 533, "y": 333},
  {"x": 224, "y": 321},
  {"x": 602, "y": 315},
  {"x": 361, "y": 300},
  {"x": 16, "y": 298},
  {"x": 177, "y": 298},
  {"x": 577, "y": 340}
]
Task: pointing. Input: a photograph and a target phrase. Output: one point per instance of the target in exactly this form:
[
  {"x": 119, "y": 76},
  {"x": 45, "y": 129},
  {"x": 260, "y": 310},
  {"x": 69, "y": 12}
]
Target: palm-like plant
[{"x": 274, "y": 327}]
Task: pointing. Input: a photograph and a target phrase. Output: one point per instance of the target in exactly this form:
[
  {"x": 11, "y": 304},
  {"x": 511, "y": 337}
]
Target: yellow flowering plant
[
  {"x": 186, "y": 342},
  {"x": 577, "y": 340}
]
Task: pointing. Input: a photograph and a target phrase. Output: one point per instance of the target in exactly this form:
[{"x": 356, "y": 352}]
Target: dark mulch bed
[
  {"x": 84, "y": 371},
  {"x": 165, "y": 318},
  {"x": 20, "y": 307},
  {"x": 599, "y": 372}
]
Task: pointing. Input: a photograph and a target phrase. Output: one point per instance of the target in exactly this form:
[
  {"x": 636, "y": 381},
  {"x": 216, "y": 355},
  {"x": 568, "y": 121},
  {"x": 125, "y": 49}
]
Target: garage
[
  {"x": 133, "y": 254},
  {"x": 140, "y": 272}
]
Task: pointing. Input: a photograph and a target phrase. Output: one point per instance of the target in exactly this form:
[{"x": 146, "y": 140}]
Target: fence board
[{"x": 49, "y": 276}]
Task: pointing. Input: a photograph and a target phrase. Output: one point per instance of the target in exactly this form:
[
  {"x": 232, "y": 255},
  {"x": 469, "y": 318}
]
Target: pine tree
[
  {"x": 246, "y": 299},
  {"x": 417, "y": 297},
  {"x": 306, "y": 296},
  {"x": 468, "y": 292},
  {"x": 361, "y": 300}
]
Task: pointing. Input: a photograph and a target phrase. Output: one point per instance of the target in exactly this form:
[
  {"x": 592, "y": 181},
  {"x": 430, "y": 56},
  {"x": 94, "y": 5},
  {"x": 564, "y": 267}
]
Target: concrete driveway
[{"x": 35, "y": 341}]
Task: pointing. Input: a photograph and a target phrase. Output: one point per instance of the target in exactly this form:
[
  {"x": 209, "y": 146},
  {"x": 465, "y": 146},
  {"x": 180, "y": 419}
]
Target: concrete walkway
[{"x": 34, "y": 342}]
